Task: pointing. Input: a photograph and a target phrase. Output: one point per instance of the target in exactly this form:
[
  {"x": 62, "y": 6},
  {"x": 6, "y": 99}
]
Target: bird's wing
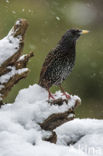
[{"x": 47, "y": 62}]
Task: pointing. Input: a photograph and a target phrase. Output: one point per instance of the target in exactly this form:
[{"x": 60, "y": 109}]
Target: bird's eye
[{"x": 73, "y": 32}]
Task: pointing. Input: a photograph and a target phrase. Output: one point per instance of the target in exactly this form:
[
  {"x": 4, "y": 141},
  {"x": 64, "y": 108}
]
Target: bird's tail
[{"x": 42, "y": 84}]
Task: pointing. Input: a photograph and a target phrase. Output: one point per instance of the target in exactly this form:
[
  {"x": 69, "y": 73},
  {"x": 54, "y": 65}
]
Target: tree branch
[{"x": 12, "y": 64}]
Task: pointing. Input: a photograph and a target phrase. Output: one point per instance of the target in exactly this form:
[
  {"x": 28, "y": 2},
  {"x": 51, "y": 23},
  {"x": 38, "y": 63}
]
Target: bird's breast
[
  {"x": 68, "y": 66},
  {"x": 64, "y": 68}
]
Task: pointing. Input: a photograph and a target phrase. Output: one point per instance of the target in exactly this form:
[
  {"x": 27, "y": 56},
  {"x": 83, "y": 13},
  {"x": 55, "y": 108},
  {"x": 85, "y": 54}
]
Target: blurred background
[{"x": 48, "y": 20}]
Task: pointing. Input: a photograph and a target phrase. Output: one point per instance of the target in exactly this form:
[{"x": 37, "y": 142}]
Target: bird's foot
[
  {"x": 66, "y": 95},
  {"x": 51, "y": 96}
]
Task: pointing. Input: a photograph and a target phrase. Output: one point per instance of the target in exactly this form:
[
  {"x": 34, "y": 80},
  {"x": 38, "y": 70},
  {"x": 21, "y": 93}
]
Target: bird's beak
[{"x": 84, "y": 32}]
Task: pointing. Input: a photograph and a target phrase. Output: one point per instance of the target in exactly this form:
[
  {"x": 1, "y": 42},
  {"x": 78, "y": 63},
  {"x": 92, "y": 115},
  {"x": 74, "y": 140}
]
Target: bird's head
[
  {"x": 70, "y": 37},
  {"x": 74, "y": 34}
]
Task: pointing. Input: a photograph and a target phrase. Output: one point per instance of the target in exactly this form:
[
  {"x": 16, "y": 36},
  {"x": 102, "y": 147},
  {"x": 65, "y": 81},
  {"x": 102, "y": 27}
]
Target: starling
[{"x": 60, "y": 61}]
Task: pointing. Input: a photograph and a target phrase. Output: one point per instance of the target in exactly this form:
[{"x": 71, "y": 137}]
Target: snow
[
  {"x": 21, "y": 135},
  {"x": 7, "y": 1},
  {"x": 1, "y": 87},
  {"x": 23, "y": 10},
  {"x": 58, "y": 18},
  {"x": 6, "y": 77},
  {"x": 0, "y": 97},
  {"x": 86, "y": 134},
  {"x": 35, "y": 99},
  {"x": 9, "y": 45},
  {"x": 22, "y": 57}
]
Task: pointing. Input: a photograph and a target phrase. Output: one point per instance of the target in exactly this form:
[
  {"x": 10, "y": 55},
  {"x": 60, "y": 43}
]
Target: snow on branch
[
  {"x": 22, "y": 135},
  {"x": 34, "y": 110},
  {"x": 12, "y": 64}
]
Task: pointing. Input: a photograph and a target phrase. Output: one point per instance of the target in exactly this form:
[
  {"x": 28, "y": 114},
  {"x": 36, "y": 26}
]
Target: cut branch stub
[
  {"x": 12, "y": 64},
  {"x": 20, "y": 28},
  {"x": 23, "y": 60}
]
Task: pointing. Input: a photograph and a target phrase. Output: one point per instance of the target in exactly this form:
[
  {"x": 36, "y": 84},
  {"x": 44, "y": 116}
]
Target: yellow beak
[{"x": 84, "y": 31}]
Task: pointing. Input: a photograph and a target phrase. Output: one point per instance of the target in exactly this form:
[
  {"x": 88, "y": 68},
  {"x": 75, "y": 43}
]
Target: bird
[{"x": 60, "y": 61}]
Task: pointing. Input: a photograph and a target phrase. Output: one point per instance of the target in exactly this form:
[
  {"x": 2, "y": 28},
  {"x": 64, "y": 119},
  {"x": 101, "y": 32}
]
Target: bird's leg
[
  {"x": 50, "y": 95},
  {"x": 64, "y": 93}
]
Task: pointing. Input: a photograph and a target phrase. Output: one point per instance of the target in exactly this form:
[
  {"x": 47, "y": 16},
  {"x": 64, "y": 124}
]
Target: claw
[
  {"x": 50, "y": 95},
  {"x": 64, "y": 93}
]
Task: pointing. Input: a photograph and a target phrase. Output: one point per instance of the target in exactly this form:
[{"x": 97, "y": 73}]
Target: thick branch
[{"x": 12, "y": 64}]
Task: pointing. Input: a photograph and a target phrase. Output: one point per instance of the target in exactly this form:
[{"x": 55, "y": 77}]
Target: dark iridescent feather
[{"x": 60, "y": 61}]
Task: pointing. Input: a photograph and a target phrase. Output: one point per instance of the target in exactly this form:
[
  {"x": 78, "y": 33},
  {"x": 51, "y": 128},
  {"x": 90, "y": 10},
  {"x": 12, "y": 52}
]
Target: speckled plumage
[{"x": 60, "y": 61}]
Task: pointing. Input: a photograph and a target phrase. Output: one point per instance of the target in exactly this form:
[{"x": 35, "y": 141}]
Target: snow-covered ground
[{"x": 21, "y": 135}]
